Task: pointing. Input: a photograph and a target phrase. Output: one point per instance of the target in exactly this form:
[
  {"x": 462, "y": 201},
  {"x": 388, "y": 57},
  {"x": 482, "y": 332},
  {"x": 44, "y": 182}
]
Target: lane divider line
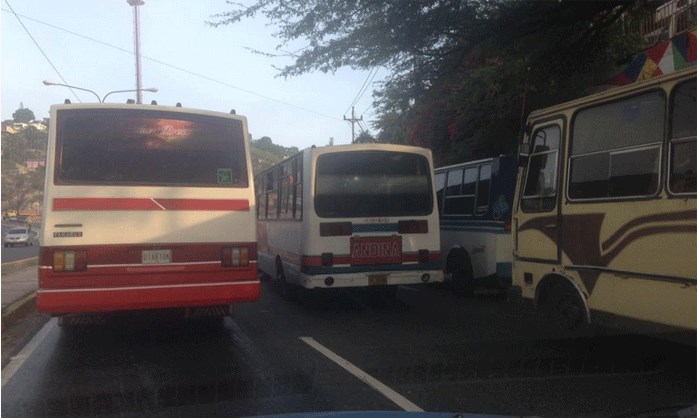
[
  {"x": 17, "y": 361},
  {"x": 386, "y": 391}
]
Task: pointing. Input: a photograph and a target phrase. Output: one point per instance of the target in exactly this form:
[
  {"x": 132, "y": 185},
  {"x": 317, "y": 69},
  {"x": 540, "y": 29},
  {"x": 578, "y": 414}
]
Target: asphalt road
[{"x": 427, "y": 350}]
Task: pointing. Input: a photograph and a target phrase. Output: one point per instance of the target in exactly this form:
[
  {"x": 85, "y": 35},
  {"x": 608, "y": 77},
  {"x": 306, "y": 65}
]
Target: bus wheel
[
  {"x": 463, "y": 277},
  {"x": 566, "y": 311}
]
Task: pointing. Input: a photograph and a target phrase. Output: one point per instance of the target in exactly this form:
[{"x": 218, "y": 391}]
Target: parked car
[{"x": 18, "y": 236}]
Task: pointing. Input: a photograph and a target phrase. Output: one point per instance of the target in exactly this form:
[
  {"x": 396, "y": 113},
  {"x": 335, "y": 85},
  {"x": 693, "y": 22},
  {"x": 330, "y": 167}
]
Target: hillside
[{"x": 265, "y": 153}]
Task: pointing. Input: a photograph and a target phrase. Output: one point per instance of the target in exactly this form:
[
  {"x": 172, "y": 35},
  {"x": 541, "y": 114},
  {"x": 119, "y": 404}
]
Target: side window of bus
[
  {"x": 616, "y": 148},
  {"x": 683, "y": 140},
  {"x": 483, "y": 189},
  {"x": 453, "y": 187},
  {"x": 540, "y": 188},
  {"x": 261, "y": 198},
  {"x": 440, "y": 190},
  {"x": 271, "y": 188},
  {"x": 298, "y": 187},
  {"x": 286, "y": 191}
]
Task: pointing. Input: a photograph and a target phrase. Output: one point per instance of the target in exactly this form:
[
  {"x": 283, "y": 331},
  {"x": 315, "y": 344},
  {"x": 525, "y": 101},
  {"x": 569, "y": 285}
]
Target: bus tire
[
  {"x": 565, "y": 311},
  {"x": 462, "y": 276}
]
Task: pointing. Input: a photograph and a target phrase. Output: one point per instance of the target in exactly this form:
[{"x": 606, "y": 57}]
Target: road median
[{"x": 15, "y": 266}]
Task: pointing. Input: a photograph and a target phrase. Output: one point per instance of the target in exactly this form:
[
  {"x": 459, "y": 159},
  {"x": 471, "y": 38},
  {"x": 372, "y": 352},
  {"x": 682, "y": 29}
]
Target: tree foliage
[
  {"x": 458, "y": 69},
  {"x": 364, "y": 138},
  {"x": 23, "y": 114}
]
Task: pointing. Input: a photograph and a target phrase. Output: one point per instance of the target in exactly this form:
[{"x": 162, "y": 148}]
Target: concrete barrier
[{"x": 13, "y": 266}]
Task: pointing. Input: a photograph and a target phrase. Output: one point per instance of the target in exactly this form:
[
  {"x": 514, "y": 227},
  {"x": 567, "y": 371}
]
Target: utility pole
[
  {"x": 136, "y": 42},
  {"x": 353, "y": 120}
]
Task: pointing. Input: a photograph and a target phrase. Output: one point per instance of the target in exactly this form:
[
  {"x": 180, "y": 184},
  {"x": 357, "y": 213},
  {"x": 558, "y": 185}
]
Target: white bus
[
  {"x": 475, "y": 200},
  {"x": 605, "y": 220},
  {"x": 349, "y": 216},
  {"x": 146, "y": 207}
]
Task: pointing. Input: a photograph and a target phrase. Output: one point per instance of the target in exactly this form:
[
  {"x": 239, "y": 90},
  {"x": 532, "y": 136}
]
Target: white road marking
[
  {"x": 17, "y": 361},
  {"x": 386, "y": 391}
]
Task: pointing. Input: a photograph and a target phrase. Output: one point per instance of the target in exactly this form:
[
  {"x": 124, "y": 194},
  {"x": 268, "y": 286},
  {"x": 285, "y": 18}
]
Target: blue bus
[{"x": 474, "y": 201}]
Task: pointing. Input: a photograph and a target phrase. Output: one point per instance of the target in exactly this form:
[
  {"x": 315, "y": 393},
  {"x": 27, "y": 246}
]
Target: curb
[
  {"x": 18, "y": 309},
  {"x": 14, "y": 266}
]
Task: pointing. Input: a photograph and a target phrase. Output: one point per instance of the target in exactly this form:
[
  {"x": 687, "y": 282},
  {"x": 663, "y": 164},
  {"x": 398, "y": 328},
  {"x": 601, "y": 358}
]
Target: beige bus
[{"x": 605, "y": 212}]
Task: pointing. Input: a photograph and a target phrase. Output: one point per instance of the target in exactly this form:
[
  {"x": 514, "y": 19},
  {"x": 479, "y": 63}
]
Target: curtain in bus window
[
  {"x": 683, "y": 153},
  {"x": 123, "y": 147},
  {"x": 372, "y": 183}
]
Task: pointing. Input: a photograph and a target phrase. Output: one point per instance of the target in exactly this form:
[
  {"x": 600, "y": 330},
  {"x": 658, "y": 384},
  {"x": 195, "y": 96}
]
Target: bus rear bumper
[
  {"x": 66, "y": 301},
  {"x": 377, "y": 278}
]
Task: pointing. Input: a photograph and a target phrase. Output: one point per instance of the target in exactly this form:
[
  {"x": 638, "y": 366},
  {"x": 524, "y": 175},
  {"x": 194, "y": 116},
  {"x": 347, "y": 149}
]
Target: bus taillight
[
  {"x": 335, "y": 229},
  {"x": 507, "y": 226},
  {"x": 64, "y": 261},
  {"x": 413, "y": 227},
  {"x": 234, "y": 256}
]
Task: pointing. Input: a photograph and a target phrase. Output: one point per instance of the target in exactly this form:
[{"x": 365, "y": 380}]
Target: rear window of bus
[{"x": 123, "y": 147}]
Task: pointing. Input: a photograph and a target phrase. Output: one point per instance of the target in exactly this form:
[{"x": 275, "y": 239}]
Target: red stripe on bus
[
  {"x": 204, "y": 204},
  {"x": 99, "y": 203},
  {"x": 155, "y": 275},
  {"x": 133, "y": 298},
  {"x": 95, "y": 203},
  {"x": 316, "y": 261},
  {"x": 115, "y": 254}
]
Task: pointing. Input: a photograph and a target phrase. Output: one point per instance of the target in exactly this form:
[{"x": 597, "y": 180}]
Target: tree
[
  {"x": 459, "y": 69},
  {"x": 364, "y": 138},
  {"x": 23, "y": 115},
  {"x": 331, "y": 141}
]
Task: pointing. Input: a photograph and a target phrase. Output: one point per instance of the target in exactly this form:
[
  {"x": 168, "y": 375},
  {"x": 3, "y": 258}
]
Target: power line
[
  {"x": 40, "y": 49},
  {"x": 174, "y": 67},
  {"x": 363, "y": 88}
]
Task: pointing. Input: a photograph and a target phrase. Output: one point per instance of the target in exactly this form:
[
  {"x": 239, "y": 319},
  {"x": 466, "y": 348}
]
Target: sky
[{"x": 90, "y": 44}]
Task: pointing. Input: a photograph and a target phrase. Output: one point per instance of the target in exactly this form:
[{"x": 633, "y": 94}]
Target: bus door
[{"x": 537, "y": 222}]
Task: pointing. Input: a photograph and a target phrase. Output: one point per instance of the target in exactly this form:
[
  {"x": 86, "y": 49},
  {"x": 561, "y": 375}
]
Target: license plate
[
  {"x": 377, "y": 280},
  {"x": 157, "y": 256},
  {"x": 376, "y": 250}
]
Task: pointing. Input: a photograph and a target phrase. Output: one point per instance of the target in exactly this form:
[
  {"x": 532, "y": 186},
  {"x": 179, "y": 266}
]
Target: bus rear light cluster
[
  {"x": 412, "y": 227},
  {"x": 234, "y": 256},
  {"x": 66, "y": 261},
  {"x": 507, "y": 226},
  {"x": 335, "y": 229}
]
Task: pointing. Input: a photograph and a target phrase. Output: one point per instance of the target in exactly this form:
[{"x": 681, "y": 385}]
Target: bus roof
[
  {"x": 133, "y": 106},
  {"x": 353, "y": 147},
  {"x": 619, "y": 91}
]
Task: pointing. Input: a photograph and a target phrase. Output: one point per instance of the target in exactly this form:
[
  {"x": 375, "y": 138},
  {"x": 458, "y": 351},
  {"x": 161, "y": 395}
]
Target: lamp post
[
  {"x": 136, "y": 41},
  {"x": 49, "y": 83},
  {"x": 151, "y": 90}
]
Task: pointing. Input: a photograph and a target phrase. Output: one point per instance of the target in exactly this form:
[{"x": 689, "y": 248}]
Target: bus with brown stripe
[
  {"x": 605, "y": 216},
  {"x": 146, "y": 207}
]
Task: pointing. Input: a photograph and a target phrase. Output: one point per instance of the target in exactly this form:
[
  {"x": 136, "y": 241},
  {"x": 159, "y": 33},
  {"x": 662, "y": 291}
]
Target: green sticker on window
[{"x": 224, "y": 176}]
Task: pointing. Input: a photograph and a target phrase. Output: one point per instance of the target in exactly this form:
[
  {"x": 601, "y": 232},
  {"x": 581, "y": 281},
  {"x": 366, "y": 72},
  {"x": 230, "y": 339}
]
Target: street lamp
[{"x": 50, "y": 83}]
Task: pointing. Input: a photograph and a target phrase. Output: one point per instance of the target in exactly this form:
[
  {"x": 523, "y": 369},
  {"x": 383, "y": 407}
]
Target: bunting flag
[{"x": 673, "y": 55}]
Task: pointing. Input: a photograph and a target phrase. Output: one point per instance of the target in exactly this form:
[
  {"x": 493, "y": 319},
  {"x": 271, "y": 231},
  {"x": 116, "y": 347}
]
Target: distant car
[
  {"x": 24, "y": 219},
  {"x": 18, "y": 236}
]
